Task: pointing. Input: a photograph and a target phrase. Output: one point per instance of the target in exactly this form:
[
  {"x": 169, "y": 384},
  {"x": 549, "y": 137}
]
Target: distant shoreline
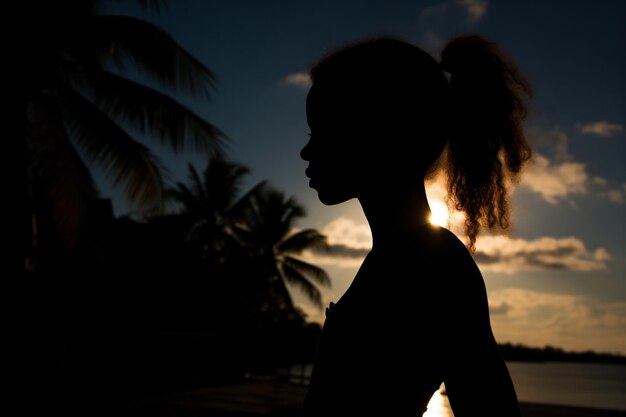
[{"x": 521, "y": 353}]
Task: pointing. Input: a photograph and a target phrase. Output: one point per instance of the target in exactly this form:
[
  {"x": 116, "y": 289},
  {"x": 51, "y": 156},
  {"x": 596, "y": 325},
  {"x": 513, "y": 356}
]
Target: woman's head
[
  {"x": 377, "y": 109},
  {"x": 381, "y": 112}
]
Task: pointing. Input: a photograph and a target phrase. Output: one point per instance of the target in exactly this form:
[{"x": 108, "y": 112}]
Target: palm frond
[
  {"x": 294, "y": 210},
  {"x": 124, "y": 160},
  {"x": 311, "y": 272},
  {"x": 183, "y": 195},
  {"x": 154, "y": 52},
  {"x": 196, "y": 184},
  {"x": 222, "y": 182},
  {"x": 148, "y": 110},
  {"x": 303, "y": 240},
  {"x": 242, "y": 210},
  {"x": 271, "y": 214},
  {"x": 277, "y": 285},
  {"x": 295, "y": 278}
]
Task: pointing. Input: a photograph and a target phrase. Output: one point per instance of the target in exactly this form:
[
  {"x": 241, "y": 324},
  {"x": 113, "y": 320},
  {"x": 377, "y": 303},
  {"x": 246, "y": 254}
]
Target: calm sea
[{"x": 578, "y": 384}]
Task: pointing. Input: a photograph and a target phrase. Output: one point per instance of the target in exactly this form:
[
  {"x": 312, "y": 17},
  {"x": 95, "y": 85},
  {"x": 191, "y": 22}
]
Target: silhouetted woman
[{"x": 384, "y": 115}]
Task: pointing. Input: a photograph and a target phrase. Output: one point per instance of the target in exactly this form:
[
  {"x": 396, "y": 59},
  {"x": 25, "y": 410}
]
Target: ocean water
[
  {"x": 561, "y": 383},
  {"x": 583, "y": 384},
  {"x": 577, "y": 384}
]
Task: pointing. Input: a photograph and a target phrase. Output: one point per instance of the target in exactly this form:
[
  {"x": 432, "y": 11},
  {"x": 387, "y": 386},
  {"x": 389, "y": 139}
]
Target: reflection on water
[{"x": 438, "y": 406}]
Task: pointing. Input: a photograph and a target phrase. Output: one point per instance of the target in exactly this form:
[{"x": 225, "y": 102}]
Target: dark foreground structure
[{"x": 276, "y": 397}]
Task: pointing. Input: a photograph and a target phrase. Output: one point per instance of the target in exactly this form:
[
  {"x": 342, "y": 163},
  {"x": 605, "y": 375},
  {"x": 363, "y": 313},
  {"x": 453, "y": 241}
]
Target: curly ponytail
[{"x": 487, "y": 145}]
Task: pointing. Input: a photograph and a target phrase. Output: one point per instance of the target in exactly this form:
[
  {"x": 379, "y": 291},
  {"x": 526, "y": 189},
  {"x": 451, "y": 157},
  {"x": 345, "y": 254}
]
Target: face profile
[{"x": 331, "y": 151}]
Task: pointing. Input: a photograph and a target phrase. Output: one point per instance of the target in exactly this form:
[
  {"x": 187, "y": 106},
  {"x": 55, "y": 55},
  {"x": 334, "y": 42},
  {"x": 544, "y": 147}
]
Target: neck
[{"x": 395, "y": 211}]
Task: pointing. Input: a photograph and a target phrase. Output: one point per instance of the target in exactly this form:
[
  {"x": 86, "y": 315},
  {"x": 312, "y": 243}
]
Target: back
[{"x": 383, "y": 343}]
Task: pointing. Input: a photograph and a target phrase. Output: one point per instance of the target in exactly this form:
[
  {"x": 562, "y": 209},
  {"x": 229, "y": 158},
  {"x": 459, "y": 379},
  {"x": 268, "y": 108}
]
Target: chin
[{"x": 331, "y": 199}]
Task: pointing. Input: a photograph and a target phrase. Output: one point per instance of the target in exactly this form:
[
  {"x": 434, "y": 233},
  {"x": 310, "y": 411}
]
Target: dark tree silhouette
[
  {"x": 65, "y": 86},
  {"x": 254, "y": 230},
  {"x": 208, "y": 205},
  {"x": 267, "y": 231}
]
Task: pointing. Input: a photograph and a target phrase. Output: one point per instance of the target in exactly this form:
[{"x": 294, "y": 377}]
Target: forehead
[{"x": 327, "y": 105}]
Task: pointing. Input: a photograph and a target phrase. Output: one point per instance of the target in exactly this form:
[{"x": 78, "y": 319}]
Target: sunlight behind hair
[{"x": 439, "y": 213}]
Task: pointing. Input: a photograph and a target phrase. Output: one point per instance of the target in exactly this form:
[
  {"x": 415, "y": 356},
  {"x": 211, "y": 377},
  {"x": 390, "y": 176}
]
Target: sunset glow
[{"x": 439, "y": 213}]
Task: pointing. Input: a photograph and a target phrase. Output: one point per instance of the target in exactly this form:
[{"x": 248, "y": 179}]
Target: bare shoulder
[
  {"x": 434, "y": 256},
  {"x": 457, "y": 270},
  {"x": 445, "y": 247}
]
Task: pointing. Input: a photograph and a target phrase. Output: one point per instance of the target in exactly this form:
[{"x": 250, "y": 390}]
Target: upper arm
[{"x": 473, "y": 366}]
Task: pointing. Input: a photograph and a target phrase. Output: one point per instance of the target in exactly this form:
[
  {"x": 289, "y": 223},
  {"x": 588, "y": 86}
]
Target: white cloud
[
  {"x": 555, "y": 181},
  {"x": 561, "y": 176},
  {"x": 300, "y": 79},
  {"x": 508, "y": 255},
  {"x": 348, "y": 244},
  {"x": 346, "y": 232},
  {"x": 565, "y": 320},
  {"x": 558, "y": 177},
  {"x": 476, "y": 9},
  {"x": 600, "y": 128}
]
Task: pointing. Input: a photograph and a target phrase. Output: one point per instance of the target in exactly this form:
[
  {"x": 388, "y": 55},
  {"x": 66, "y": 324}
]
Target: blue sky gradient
[{"x": 560, "y": 278}]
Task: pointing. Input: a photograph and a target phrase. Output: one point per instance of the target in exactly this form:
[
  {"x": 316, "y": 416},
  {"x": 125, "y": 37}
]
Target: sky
[{"x": 559, "y": 277}]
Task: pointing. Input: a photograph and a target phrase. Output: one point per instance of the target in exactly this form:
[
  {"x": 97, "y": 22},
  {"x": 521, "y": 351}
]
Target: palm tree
[
  {"x": 253, "y": 233},
  {"x": 266, "y": 230},
  {"x": 64, "y": 85},
  {"x": 208, "y": 204}
]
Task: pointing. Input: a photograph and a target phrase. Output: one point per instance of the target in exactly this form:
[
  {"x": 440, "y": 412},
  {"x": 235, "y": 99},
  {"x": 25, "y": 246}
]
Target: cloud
[
  {"x": 300, "y": 79},
  {"x": 502, "y": 308},
  {"x": 570, "y": 321},
  {"x": 344, "y": 231},
  {"x": 555, "y": 181},
  {"x": 508, "y": 255},
  {"x": 615, "y": 196},
  {"x": 561, "y": 176},
  {"x": 349, "y": 243},
  {"x": 599, "y": 181},
  {"x": 476, "y": 9},
  {"x": 552, "y": 140},
  {"x": 600, "y": 128}
]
